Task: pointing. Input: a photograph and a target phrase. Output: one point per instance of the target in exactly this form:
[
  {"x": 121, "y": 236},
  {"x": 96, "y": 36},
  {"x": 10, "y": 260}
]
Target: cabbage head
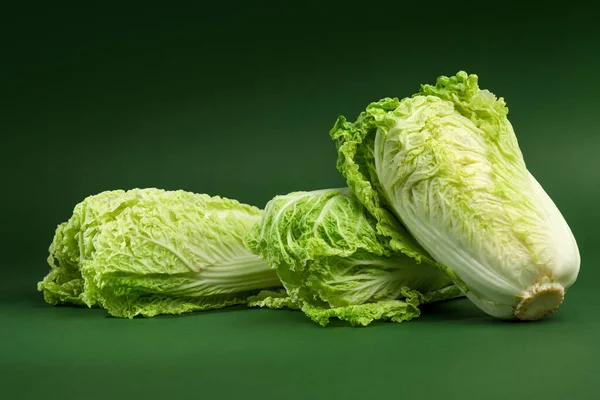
[
  {"x": 445, "y": 163},
  {"x": 149, "y": 251},
  {"x": 333, "y": 263}
]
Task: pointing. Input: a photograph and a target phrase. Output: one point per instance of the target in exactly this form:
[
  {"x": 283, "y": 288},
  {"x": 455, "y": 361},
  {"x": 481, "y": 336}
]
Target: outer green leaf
[
  {"x": 356, "y": 161},
  {"x": 364, "y": 314},
  {"x": 273, "y": 299}
]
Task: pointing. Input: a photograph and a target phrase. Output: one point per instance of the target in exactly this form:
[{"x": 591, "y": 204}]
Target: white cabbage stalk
[{"x": 447, "y": 164}]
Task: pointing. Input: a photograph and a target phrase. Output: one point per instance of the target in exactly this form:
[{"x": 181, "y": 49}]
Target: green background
[{"x": 237, "y": 100}]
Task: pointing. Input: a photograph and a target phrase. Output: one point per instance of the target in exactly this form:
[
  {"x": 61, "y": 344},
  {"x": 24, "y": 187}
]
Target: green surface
[{"x": 238, "y": 101}]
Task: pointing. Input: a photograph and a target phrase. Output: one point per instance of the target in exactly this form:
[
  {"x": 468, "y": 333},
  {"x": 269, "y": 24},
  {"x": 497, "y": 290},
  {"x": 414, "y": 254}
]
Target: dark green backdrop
[{"x": 237, "y": 100}]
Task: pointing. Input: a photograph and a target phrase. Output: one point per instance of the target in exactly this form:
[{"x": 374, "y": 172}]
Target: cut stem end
[{"x": 540, "y": 299}]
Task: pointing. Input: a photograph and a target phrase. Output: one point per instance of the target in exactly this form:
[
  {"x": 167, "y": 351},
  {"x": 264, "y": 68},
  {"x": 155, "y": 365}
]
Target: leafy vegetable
[
  {"x": 149, "y": 252},
  {"x": 333, "y": 263},
  {"x": 447, "y": 164}
]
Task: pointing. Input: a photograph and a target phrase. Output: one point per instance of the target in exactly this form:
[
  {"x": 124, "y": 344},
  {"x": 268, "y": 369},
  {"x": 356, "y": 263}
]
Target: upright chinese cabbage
[
  {"x": 446, "y": 164},
  {"x": 150, "y": 251},
  {"x": 333, "y": 263}
]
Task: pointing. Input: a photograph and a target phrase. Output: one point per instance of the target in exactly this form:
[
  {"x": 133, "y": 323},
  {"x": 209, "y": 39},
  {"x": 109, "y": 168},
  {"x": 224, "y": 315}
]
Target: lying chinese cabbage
[
  {"x": 333, "y": 263},
  {"x": 149, "y": 252},
  {"x": 446, "y": 164}
]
